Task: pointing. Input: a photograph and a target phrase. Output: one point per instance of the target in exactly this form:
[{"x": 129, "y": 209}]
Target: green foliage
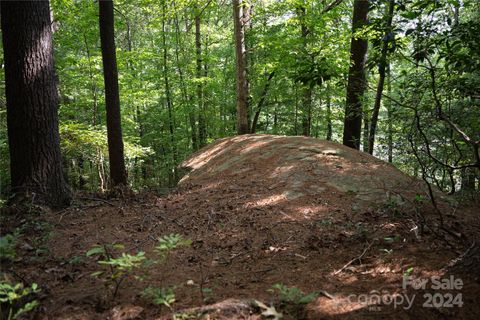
[
  {"x": 303, "y": 44},
  {"x": 408, "y": 272},
  {"x": 207, "y": 294},
  {"x": 120, "y": 266},
  {"x": 8, "y": 243},
  {"x": 13, "y": 296},
  {"x": 125, "y": 263},
  {"x": 160, "y": 296},
  {"x": 169, "y": 242},
  {"x": 292, "y": 295}
]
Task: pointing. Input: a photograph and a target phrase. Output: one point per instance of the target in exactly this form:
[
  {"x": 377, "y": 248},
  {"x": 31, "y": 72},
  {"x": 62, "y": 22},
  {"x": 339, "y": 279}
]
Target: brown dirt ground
[{"x": 260, "y": 210}]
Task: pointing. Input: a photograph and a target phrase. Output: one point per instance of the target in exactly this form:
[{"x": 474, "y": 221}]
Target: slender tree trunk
[
  {"x": 241, "y": 72},
  {"x": 307, "y": 88},
  {"x": 275, "y": 115},
  {"x": 263, "y": 97},
  {"x": 329, "y": 116},
  {"x": 168, "y": 98},
  {"x": 381, "y": 80},
  {"x": 307, "y": 110},
  {"x": 296, "y": 112},
  {"x": 92, "y": 81},
  {"x": 366, "y": 129},
  {"x": 32, "y": 103},
  {"x": 187, "y": 99},
  {"x": 389, "y": 116},
  {"x": 202, "y": 138},
  {"x": 118, "y": 174},
  {"x": 205, "y": 96},
  {"x": 356, "y": 78}
]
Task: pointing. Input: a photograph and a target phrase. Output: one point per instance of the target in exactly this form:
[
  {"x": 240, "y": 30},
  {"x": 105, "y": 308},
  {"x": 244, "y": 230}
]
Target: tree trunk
[
  {"x": 168, "y": 98},
  {"x": 381, "y": 80},
  {"x": 241, "y": 72},
  {"x": 92, "y": 81},
  {"x": 32, "y": 103},
  {"x": 366, "y": 129},
  {"x": 202, "y": 136},
  {"x": 389, "y": 116},
  {"x": 187, "y": 99},
  {"x": 307, "y": 110},
  {"x": 307, "y": 88},
  {"x": 263, "y": 97},
  {"x": 356, "y": 78},
  {"x": 329, "y": 116},
  {"x": 118, "y": 174}
]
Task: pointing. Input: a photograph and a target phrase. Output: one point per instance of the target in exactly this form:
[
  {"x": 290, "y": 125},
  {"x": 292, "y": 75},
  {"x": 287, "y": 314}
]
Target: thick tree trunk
[
  {"x": 241, "y": 72},
  {"x": 356, "y": 78},
  {"x": 32, "y": 103},
  {"x": 381, "y": 80},
  {"x": 118, "y": 174}
]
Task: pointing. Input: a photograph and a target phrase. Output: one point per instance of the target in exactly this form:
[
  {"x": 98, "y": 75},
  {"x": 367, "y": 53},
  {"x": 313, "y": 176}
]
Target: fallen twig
[
  {"x": 97, "y": 199},
  {"x": 359, "y": 258}
]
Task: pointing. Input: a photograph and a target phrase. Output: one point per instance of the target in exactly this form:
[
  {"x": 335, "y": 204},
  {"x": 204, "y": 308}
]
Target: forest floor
[{"x": 260, "y": 211}]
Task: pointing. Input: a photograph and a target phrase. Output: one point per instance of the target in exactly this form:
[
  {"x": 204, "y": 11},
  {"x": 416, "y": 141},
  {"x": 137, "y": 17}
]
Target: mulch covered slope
[{"x": 260, "y": 210}]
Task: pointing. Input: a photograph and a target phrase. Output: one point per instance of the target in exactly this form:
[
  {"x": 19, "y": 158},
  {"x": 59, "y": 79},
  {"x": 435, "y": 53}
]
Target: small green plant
[
  {"x": 41, "y": 232},
  {"x": 8, "y": 243},
  {"x": 119, "y": 266},
  {"x": 207, "y": 294},
  {"x": 186, "y": 316},
  {"x": 393, "y": 205},
  {"x": 419, "y": 198},
  {"x": 292, "y": 295},
  {"x": 408, "y": 272},
  {"x": 169, "y": 242},
  {"x": 10, "y": 294},
  {"x": 292, "y": 299},
  {"x": 160, "y": 296},
  {"x": 76, "y": 260}
]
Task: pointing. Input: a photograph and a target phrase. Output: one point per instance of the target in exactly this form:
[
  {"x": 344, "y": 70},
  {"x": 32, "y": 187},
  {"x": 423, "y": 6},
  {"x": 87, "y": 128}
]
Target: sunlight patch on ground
[
  {"x": 281, "y": 171},
  {"x": 311, "y": 211},
  {"x": 254, "y": 145},
  {"x": 266, "y": 201},
  {"x": 207, "y": 155}
]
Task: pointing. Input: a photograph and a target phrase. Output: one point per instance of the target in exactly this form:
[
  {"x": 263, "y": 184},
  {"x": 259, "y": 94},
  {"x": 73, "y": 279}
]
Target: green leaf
[
  {"x": 96, "y": 273},
  {"x": 95, "y": 250}
]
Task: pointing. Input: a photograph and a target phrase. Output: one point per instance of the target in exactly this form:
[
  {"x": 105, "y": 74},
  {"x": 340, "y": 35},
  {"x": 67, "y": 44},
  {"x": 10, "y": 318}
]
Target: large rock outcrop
[{"x": 293, "y": 169}]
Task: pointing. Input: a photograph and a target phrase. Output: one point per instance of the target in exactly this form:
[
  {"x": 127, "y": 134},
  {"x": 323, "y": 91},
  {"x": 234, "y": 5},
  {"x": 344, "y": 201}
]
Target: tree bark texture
[
  {"x": 118, "y": 174},
  {"x": 356, "y": 78},
  {"x": 241, "y": 72},
  {"x": 32, "y": 103}
]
